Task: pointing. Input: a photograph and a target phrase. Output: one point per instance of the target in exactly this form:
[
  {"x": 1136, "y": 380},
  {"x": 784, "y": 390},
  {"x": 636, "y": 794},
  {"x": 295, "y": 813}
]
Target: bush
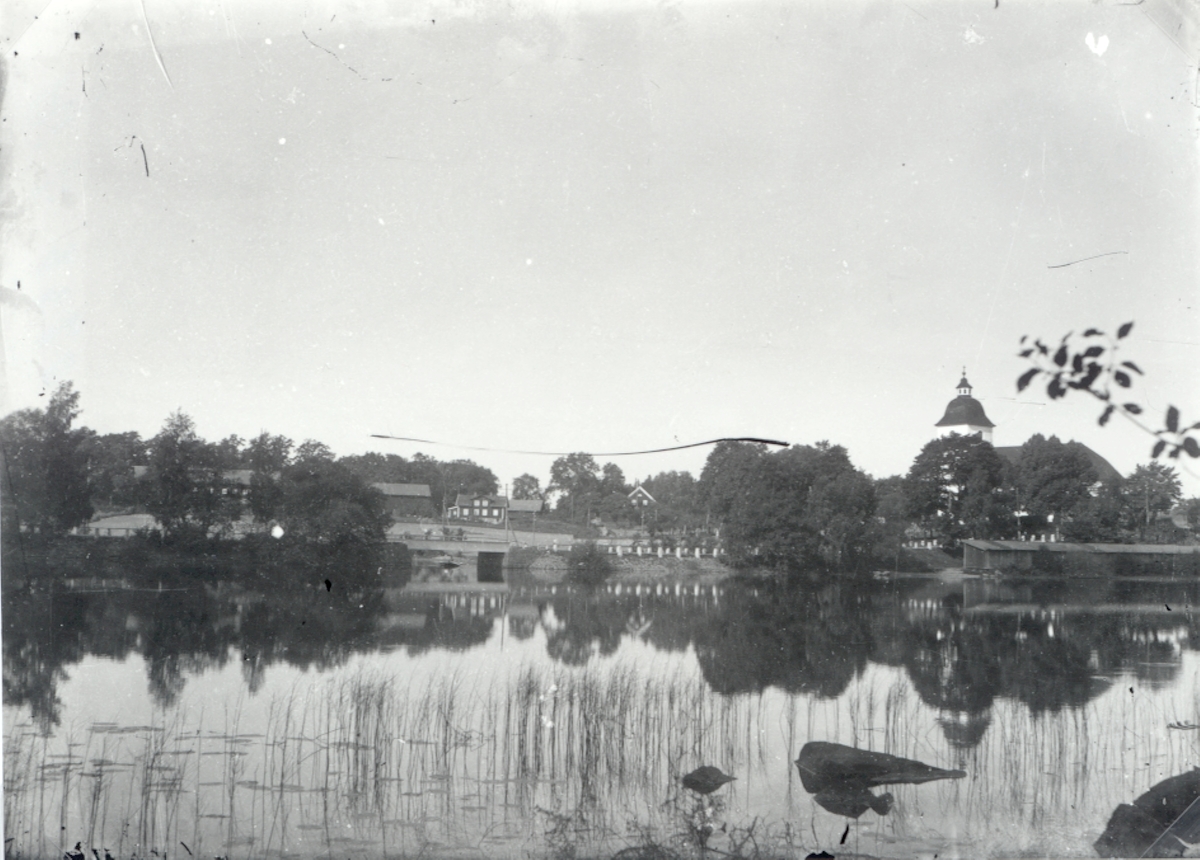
[{"x": 587, "y": 565}]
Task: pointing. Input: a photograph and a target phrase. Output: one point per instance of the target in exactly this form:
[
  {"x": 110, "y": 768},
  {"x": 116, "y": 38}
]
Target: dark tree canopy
[
  {"x": 184, "y": 483},
  {"x": 805, "y": 506},
  {"x": 955, "y": 489},
  {"x": 1053, "y": 478},
  {"x": 1151, "y": 490},
  {"x": 326, "y": 502},
  {"x": 526, "y": 487},
  {"x": 45, "y": 475},
  {"x": 111, "y": 461}
]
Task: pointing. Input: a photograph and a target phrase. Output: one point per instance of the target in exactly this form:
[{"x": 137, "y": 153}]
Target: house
[
  {"x": 406, "y": 500},
  {"x": 489, "y": 509},
  {"x": 640, "y": 497},
  {"x": 232, "y": 482},
  {"x": 236, "y": 482}
]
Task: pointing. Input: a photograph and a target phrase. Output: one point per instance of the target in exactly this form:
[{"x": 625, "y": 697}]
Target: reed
[{"x": 550, "y": 756}]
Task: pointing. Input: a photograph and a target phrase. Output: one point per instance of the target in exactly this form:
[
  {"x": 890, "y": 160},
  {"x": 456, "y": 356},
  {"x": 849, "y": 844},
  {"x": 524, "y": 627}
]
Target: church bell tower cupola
[{"x": 964, "y": 414}]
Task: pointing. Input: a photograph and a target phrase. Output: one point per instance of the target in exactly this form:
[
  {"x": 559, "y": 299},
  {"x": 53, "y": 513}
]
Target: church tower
[{"x": 964, "y": 414}]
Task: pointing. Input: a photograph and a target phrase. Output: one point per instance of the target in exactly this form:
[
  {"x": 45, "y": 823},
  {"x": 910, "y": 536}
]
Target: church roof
[
  {"x": 1104, "y": 469},
  {"x": 963, "y": 410}
]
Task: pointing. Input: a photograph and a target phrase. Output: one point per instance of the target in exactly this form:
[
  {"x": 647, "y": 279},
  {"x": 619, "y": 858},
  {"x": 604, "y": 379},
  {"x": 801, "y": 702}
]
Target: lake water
[{"x": 521, "y": 722}]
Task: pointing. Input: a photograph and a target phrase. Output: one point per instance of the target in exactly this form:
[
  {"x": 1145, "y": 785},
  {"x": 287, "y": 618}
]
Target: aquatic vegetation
[{"x": 363, "y": 756}]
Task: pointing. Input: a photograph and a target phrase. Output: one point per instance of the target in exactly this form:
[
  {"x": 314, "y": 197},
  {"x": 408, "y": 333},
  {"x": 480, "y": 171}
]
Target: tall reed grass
[
  {"x": 365, "y": 762},
  {"x": 550, "y": 758}
]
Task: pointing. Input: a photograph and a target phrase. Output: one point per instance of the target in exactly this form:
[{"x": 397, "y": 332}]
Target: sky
[{"x": 595, "y": 226}]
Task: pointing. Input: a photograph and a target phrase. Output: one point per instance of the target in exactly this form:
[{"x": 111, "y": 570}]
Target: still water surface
[{"x": 519, "y": 722}]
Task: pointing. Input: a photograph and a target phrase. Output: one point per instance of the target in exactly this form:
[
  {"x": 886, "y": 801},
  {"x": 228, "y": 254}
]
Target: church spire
[
  {"x": 964, "y": 414},
  {"x": 964, "y": 387}
]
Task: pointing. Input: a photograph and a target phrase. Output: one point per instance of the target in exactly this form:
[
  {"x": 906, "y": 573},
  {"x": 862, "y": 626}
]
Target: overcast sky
[{"x": 600, "y": 226}]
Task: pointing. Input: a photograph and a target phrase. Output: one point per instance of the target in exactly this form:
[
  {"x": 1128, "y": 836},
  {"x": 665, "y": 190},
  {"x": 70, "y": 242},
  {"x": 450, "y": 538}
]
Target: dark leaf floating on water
[
  {"x": 706, "y": 779},
  {"x": 840, "y": 778}
]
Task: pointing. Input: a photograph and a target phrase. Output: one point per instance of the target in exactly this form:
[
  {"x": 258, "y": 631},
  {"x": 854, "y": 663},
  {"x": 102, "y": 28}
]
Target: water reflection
[
  {"x": 1049, "y": 645},
  {"x": 1048, "y": 694}
]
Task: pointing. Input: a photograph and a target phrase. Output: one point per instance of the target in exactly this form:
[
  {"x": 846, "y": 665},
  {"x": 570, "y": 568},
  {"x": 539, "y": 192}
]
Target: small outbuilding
[{"x": 406, "y": 500}]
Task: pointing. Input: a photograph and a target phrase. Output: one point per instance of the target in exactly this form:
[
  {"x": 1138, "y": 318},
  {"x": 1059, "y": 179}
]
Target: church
[{"x": 964, "y": 415}]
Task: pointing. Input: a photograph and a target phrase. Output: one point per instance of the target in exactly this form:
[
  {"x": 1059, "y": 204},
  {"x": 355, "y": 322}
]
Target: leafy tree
[
  {"x": 840, "y": 507},
  {"x": 184, "y": 485},
  {"x": 954, "y": 488},
  {"x": 230, "y": 452},
  {"x": 467, "y": 476},
  {"x": 728, "y": 477},
  {"x": 526, "y": 487},
  {"x": 111, "y": 459},
  {"x": 587, "y": 565},
  {"x": 1151, "y": 490},
  {"x": 678, "y": 500},
  {"x": 803, "y": 507},
  {"x": 325, "y": 502},
  {"x": 45, "y": 474},
  {"x": 1053, "y": 479},
  {"x": 577, "y": 477},
  {"x": 175, "y": 454},
  {"x": 614, "y": 508},
  {"x": 1089, "y": 363},
  {"x": 310, "y": 450},
  {"x": 575, "y": 473},
  {"x": 1191, "y": 509},
  {"x": 267, "y": 456},
  {"x": 891, "y": 501},
  {"x": 612, "y": 479},
  {"x": 1100, "y": 518},
  {"x": 447, "y": 479},
  {"x": 378, "y": 468}
]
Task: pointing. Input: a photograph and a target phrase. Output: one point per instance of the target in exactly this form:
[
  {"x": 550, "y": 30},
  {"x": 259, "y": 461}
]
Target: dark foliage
[
  {"x": 1089, "y": 363},
  {"x": 587, "y": 565}
]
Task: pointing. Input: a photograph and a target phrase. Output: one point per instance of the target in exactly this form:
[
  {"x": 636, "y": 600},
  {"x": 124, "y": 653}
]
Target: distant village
[{"x": 801, "y": 505}]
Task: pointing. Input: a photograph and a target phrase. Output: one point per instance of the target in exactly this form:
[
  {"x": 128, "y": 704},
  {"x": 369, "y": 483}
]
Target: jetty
[{"x": 1080, "y": 559}]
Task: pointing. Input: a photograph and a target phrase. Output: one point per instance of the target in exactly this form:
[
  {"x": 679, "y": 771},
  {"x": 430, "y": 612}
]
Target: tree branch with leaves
[{"x": 1090, "y": 363}]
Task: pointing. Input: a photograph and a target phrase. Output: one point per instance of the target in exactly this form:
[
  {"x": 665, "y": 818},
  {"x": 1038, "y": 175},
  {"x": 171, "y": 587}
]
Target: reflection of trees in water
[
  {"x": 806, "y": 641},
  {"x": 41, "y": 637},
  {"x": 962, "y": 664},
  {"x": 802, "y": 639},
  {"x": 177, "y": 632},
  {"x": 177, "y": 636},
  {"x": 589, "y": 625}
]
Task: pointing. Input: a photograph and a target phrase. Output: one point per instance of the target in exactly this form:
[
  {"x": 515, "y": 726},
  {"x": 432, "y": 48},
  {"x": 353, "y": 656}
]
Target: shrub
[{"x": 587, "y": 565}]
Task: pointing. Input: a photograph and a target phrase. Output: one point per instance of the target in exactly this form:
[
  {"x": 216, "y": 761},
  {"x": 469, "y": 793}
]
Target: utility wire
[{"x": 753, "y": 439}]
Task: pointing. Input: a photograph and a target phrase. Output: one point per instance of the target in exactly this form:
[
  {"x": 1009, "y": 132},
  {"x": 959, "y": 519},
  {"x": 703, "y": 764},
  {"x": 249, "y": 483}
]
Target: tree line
[
  {"x": 57, "y": 475},
  {"x": 803, "y": 507}
]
